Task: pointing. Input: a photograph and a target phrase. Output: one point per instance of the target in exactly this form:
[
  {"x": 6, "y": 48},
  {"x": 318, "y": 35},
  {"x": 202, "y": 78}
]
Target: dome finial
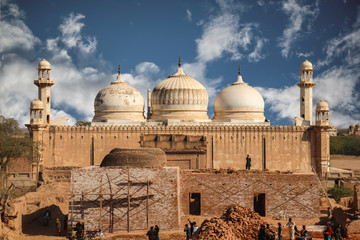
[
  {"x": 239, "y": 72},
  {"x": 119, "y": 69},
  {"x": 179, "y": 61}
]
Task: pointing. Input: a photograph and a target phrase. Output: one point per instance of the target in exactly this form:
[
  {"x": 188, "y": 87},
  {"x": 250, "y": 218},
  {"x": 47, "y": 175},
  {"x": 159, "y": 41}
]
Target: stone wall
[
  {"x": 357, "y": 197},
  {"x": 122, "y": 199},
  {"x": 270, "y": 147},
  {"x": 297, "y": 195}
]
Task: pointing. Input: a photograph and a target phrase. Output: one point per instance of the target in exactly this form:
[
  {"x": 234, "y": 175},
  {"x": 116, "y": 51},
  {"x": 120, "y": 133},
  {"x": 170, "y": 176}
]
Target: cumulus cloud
[
  {"x": 223, "y": 34},
  {"x": 14, "y": 32},
  {"x": 338, "y": 85},
  {"x": 298, "y": 16},
  {"x": 17, "y": 71}
]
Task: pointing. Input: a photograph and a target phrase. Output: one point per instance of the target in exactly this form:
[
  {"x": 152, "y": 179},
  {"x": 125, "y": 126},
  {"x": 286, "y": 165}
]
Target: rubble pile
[
  {"x": 215, "y": 228},
  {"x": 236, "y": 223}
]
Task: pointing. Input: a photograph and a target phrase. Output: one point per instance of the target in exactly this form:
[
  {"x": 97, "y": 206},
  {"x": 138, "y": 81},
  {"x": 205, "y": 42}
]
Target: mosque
[{"x": 178, "y": 158}]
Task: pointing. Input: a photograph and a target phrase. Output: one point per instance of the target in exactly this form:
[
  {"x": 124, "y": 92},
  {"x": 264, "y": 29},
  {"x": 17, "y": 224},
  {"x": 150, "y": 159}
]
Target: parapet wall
[{"x": 270, "y": 147}]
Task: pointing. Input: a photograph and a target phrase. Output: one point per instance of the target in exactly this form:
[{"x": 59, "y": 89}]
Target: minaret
[
  {"x": 322, "y": 139},
  {"x": 44, "y": 84},
  {"x": 306, "y": 84}
]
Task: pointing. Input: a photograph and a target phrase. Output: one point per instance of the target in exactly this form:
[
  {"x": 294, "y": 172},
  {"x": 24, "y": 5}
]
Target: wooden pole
[
  {"x": 100, "y": 196},
  {"x": 147, "y": 205},
  {"x": 128, "y": 208},
  {"x": 72, "y": 210}
]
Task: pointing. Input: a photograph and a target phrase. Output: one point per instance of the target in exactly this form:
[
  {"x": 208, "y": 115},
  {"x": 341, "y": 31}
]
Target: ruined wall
[
  {"x": 295, "y": 194},
  {"x": 121, "y": 199},
  {"x": 357, "y": 197},
  {"x": 273, "y": 148}
]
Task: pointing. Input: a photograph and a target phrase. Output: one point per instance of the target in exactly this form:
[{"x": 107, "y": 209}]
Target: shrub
[{"x": 337, "y": 192}]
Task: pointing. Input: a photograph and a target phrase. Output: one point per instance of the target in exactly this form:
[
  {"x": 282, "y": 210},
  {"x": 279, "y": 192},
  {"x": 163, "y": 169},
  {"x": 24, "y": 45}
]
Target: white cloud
[
  {"x": 71, "y": 34},
  {"x": 298, "y": 15},
  {"x": 338, "y": 85},
  {"x": 257, "y": 55},
  {"x": 188, "y": 15},
  {"x": 283, "y": 101},
  {"x": 145, "y": 76},
  {"x": 304, "y": 55},
  {"x": 14, "y": 32}
]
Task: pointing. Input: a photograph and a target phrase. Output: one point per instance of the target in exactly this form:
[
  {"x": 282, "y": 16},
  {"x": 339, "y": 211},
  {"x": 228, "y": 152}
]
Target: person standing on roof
[{"x": 248, "y": 162}]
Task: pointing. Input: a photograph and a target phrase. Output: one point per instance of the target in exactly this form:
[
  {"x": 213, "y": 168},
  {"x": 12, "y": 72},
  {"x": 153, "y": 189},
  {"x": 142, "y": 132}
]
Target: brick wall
[
  {"x": 154, "y": 189},
  {"x": 296, "y": 194},
  {"x": 160, "y": 196}
]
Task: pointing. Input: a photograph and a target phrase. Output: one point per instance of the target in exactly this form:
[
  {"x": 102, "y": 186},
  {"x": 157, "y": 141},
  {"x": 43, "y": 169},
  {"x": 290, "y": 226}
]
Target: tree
[
  {"x": 11, "y": 144},
  {"x": 82, "y": 123},
  {"x": 337, "y": 192}
]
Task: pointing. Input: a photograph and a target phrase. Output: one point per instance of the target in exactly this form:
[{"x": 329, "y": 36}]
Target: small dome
[
  {"x": 119, "y": 101},
  {"x": 43, "y": 64},
  {"x": 142, "y": 157},
  {"x": 322, "y": 106},
  {"x": 37, "y": 104},
  {"x": 179, "y": 97},
  {"x": 306, "y": 65},
  {"x": 239, "y": 101}
]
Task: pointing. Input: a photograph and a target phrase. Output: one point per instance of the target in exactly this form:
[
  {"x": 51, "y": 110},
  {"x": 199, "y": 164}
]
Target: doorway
[
  {"x": 259, "y": 204},
  {"x": 194, "y": 203}
]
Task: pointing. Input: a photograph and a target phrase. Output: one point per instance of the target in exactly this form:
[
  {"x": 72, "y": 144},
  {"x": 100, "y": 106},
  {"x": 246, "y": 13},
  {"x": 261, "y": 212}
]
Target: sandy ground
[{"x": 345, "y": 162}]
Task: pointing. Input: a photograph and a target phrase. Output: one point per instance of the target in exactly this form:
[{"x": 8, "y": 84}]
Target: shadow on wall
[{"x": 35, "y": 223}]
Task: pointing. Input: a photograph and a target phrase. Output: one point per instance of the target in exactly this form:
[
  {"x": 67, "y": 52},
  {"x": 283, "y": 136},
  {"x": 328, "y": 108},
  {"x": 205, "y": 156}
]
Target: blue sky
[{"x": 85, "y": 41}]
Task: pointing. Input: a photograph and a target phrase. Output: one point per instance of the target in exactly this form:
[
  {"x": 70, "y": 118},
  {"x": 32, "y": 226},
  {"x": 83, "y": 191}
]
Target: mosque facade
[
  {"x": 177, "y": 122},
  {"x": 130, "y": 171}
]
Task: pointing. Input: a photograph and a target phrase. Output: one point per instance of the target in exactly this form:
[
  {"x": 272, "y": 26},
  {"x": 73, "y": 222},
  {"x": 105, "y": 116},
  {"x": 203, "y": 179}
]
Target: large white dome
[
  {"x": 239, "y": 101},
  {"x": 179, "y": 97},
  {"x": 119, "y": 101}
]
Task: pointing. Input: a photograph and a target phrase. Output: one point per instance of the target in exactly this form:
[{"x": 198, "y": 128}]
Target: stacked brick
[{"x": 236, "y": 223}]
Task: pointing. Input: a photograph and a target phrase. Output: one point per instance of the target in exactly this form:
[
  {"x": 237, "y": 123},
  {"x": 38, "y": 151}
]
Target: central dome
[
  {"x": 179, "y": 97},
  {"x": 119, "y": 101},
  {"x": 239, "y": 101}
]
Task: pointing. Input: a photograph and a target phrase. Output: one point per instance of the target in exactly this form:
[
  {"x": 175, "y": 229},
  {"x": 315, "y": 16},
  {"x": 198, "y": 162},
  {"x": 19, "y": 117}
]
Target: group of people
[
  {"x": 153, "y": 233},
  {"x": 190, "y": 230},
  {"x": 265, "y": 233},
  {"x": 332, "y": 230}
]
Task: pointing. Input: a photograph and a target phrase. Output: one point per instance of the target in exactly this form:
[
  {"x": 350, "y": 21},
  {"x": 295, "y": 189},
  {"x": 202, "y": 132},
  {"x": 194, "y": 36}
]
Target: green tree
[
  {"x": 346, "y": 145},
  {"x": 12, "y": 145},
  {"x": 337, "y": 192},
  {"x": 82, "y": 123}
]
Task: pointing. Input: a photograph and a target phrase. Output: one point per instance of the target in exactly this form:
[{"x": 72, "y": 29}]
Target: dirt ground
[{"x": 345, "y": 162}]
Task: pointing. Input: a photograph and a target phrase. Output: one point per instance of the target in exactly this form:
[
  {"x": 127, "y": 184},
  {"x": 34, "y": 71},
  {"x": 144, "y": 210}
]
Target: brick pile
[{"x": 236, "y": 223}]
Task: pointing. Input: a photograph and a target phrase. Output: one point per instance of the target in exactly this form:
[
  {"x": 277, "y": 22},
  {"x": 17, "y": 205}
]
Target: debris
[{"x": 236, "y": 223}]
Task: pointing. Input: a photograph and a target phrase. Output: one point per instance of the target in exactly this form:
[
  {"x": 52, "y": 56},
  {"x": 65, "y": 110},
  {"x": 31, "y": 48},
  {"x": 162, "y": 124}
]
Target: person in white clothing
[{"x": 291, "y": 225}]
